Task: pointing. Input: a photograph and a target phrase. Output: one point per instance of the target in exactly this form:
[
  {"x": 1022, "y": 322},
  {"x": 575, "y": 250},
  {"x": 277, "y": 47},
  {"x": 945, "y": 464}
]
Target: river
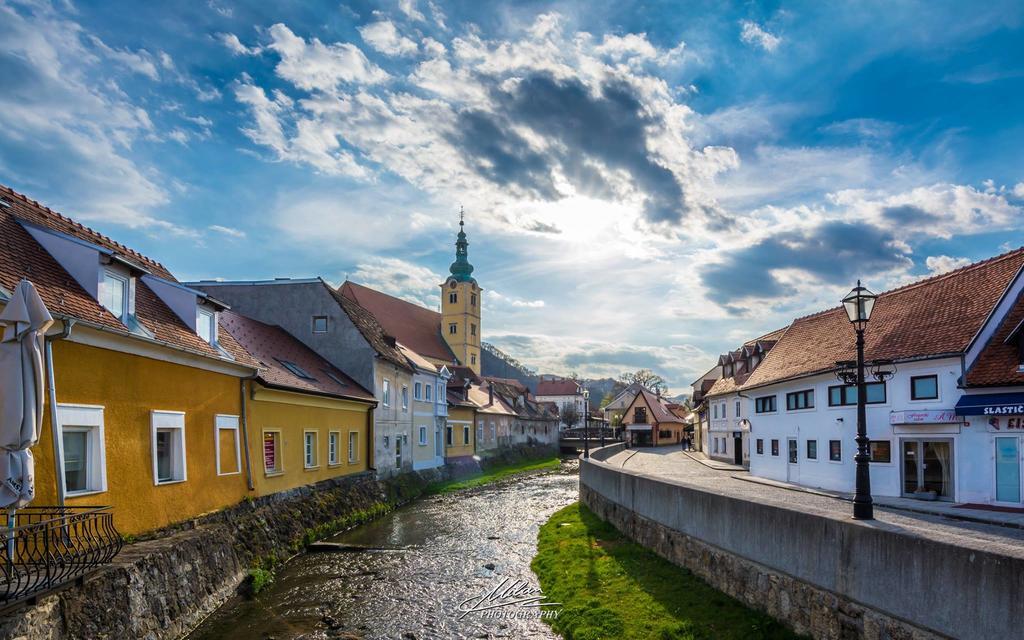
[{"x": 429, "y": 557}]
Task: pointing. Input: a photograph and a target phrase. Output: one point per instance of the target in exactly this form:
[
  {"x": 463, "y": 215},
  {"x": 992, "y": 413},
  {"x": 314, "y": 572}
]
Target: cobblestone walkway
[{"x": 672, "y": 464}]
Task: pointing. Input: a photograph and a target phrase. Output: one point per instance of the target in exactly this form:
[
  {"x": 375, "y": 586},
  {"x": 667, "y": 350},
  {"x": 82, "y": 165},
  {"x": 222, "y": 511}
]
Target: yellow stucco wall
[
  {"x": 129, "y": 387},
  {"x": 464, "y": 344},
  {"x": 456, "y": 417},
  {"x": 293, "y": 414}
]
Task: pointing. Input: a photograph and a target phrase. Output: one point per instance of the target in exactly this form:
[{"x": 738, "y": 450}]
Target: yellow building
[
  {"x": 460, "y": 434},
  {"x": 461, "y": 299},
  {"x": 144, "y": 382},
  {"x": 307, "y": 420}
]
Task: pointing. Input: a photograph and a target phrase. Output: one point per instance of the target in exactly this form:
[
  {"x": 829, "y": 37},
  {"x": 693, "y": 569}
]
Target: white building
[
  {"x": 727, "y": 416},
  {"x": 946, "y": 425},
  {"x": 563, "y": 392}
]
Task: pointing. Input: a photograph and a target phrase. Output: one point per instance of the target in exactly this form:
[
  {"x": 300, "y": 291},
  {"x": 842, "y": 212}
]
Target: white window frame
[
  {"x": 333, "y": 441},
  {"x": 427, "y": 389},
  {"x": 313, "y": 324},
  {"x": 169, "y": 420},
  {"x": 212, "y": 315},
  {"x": 310, "y": 461},
  {"x": 125, "y": 303},
  {"x": 417, "y": 391},
  {"x": 278, "y": 447},
  {"x": 223, "y": 422},
  {"x": 385, "y": 393},
  {"x": 353, "y": 447},
  {"x": 423, "y": 436},
  {"x": 405, "y": 397},
  {"x": 88, "y": 418},
  {"x": 465, "y": 434}
]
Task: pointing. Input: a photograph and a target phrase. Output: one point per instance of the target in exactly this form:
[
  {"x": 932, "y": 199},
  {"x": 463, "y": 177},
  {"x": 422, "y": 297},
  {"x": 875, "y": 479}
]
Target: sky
[{"x": 646, "y": 185}]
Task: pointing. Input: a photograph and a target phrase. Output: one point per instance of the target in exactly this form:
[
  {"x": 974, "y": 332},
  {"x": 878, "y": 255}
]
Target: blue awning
[{"x": 991, "y": 404}]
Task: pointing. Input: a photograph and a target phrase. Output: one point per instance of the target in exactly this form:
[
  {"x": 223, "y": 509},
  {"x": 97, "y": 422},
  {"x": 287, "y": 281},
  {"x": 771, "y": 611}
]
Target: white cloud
[
  {"x": 312, "y": 65},
  {"x": 942, "y": 264},
  {"x": 235, "y": 46},
  {"x": 230, "y": 232},
  {"x": 402, "y": 279},
  {"x": 384, "y": 37},
  {"x": 59, "y": 94},
  {"x": 497, "y": 298},
  {"x": 408, "y": 7},
  {"x": 754, "y": 34},
  {"x": 1018, "y": 189}
]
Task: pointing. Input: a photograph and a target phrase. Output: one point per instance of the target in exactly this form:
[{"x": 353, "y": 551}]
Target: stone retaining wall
[
  {"x": 824, "y": 577},
  {"x": 162, "y": 587}
]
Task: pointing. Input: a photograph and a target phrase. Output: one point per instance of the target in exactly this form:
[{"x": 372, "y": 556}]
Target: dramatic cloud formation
[{"x": 644, "y": 186}]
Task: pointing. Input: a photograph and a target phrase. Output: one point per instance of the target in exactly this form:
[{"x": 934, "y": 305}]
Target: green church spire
[{"x": 461, "y": 269}]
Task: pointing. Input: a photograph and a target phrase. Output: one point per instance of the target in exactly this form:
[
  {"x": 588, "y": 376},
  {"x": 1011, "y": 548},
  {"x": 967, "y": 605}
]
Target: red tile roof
[
  {"x": 998, "y": 363},
  {"x": 273, "y": 346},
  {"x": 560, "y": 387},
  {"x": 933, "y": 317},
  {"x": 416, "y": 327},
  {"x": 22, "y": 257}
]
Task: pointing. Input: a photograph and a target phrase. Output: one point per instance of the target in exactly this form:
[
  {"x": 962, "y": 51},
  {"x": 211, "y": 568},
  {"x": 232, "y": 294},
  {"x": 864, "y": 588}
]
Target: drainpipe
[
  {"x": 245, "y": 431},
  {"x": 371, "y": 463},
  {"x": 54, "y": 423}
]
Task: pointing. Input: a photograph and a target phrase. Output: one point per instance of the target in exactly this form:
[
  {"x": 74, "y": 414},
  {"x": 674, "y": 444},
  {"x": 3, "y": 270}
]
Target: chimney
[{"x": 490, "y": 393}]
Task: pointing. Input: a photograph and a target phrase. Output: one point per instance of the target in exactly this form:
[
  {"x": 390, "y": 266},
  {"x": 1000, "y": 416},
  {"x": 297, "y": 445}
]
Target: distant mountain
[{"x": 495, "y": 362}]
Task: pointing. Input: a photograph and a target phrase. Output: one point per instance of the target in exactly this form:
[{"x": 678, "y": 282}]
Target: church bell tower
[{"x": 461, "y": 301}]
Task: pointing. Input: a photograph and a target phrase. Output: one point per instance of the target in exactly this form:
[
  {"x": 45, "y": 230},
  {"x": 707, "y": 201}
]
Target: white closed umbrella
[{"x": 25, "y": 320}]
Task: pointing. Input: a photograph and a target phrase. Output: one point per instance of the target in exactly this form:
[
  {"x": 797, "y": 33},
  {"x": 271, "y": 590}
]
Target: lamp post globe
[{"x": 859, "y": 304}]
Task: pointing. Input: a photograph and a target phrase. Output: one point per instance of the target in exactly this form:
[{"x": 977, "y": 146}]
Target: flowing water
[{"x": 424, "y": 561}]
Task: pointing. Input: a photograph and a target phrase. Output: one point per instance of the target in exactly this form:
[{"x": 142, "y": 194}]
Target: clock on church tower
[{"x": 461, "y": 301}]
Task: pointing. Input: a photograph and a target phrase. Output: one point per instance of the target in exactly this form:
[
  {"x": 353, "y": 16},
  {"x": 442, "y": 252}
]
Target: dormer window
[
  {"x": 114, "y": 296},
  {"x": 206, "y": 324}
]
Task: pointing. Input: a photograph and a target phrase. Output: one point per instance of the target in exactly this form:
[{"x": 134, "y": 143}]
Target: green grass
[
  {"x": 493, "y": 475},
  {"x": 611, "y": 587}
]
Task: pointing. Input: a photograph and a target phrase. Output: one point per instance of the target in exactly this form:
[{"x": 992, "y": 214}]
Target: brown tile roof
[
  {"x": 936, "y": 316},
  {"x": 998, "y": 362},
  {"x": 273, "y": 346},
  {"x": 659, "y": 407},
  {"x": 22, "y": 257},
  {"x": 415, "y": 326},
  {"x": 560, "y": 387},
  {"x": 383, "y": 343}
]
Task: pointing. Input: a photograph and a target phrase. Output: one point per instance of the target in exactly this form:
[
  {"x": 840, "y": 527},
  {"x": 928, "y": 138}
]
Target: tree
[
  {"x": 646, "y": 378},
  {"x": 569, "y": 415},
  {"x": 606, "y": 400}
]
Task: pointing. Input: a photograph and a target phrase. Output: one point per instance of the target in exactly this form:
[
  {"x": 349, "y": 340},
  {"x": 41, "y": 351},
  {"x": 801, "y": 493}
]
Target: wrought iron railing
[{"x": 46, "y": 547}]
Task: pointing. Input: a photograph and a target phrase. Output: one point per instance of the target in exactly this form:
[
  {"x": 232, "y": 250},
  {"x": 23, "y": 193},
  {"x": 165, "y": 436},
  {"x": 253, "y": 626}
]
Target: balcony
[{"x": 46, "y": 547}]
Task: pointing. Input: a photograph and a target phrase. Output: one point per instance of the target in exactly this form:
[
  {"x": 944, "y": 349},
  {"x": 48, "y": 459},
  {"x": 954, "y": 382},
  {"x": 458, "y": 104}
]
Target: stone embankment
[
  {"x": 162, "y": 587},
  {"x": 829, "y": 577}
]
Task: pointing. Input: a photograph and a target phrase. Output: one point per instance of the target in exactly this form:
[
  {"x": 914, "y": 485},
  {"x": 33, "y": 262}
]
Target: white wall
[{"x": 971, "y": 455}]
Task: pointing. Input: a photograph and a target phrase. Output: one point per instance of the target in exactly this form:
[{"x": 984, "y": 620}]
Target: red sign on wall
[{"x": 270, "y": 451}]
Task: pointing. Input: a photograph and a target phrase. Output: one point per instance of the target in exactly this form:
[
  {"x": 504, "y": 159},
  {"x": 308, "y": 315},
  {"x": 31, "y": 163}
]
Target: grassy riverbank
[
  {"x": 494, "y": 474},
  {"x": 611, "y": 587}
]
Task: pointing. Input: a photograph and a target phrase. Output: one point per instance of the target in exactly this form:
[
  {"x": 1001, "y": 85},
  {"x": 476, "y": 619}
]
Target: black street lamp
[
  {"x": 586, "y": 430},
  {"x": 858, "y": 304}
]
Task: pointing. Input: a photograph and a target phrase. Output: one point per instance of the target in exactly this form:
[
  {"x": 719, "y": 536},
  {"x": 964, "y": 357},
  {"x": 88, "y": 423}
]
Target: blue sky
[{"x": 646, "y": 184}]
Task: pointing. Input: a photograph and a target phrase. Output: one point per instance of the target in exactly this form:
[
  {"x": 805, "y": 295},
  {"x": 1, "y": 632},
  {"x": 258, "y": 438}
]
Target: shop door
[
  {"x": 737, "y": 454},
  {"x": 927, "y": 468},
  {"x": 792, "y": 460},
  {"x": 1007, "y": 469}
]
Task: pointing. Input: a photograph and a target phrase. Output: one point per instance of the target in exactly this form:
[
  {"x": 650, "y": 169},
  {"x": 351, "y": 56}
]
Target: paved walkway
[{"x": 676, "y": 466}]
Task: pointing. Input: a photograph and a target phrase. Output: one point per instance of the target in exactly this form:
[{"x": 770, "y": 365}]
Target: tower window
[
  {"x": 453, "y": 329},
  {"x": 453, "y": 297},
  {"x": 472, "y": 359},
  {"x": 472, "y": 329},
  {"x": 472, "y": 299}
]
